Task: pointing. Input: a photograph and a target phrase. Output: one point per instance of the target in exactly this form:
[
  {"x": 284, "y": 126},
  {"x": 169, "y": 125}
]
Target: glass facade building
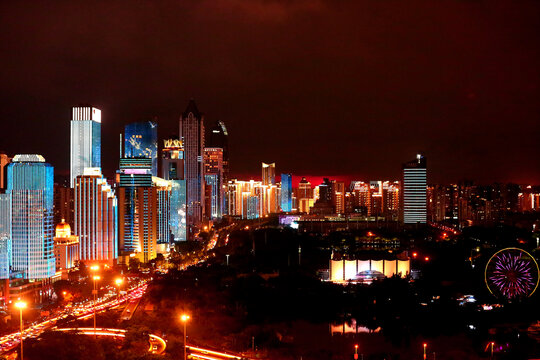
[
  {"x": 191, "y": 129},
  {"x": 5, "y": 235},
  {"x": 30, "y": 186},
  {"x": 140, "y": 141},
  {"x": 286, "y": 192},
  {"x": 95, "y": 207},
  {"x": 85, "y": 147},
  {"x": 415, "y": 191}
]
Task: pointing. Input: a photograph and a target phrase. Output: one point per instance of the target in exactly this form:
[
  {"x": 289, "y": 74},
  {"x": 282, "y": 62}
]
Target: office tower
[
  {"x": 286, "y": 192},
  {"x": 338, "y": 196},
  {"x": 66, "y": 247},
  {"x": 192, "y": 135},
  {"x": 269, "y": 174},
  {"x": 4, "y": 161},
  {"x": 324, "y": 204},
  {"x": 5, "y": 235},
  {"x": 95, "y": 217},
  {"x": 85, "y": 140},
  {"x": 140, "y": 141},
  {"x": 219, "y": 138},
  {"x": 137, "y": 213},
  {"x": 304, "y": 194},
  {"x": 213, "y": 175},
  {"x": 172, "y": 169},
  {"x": 163, "y": 191},
  {"x": 64, "y": 205},
  {"x": 415, "y": 191},
  {"x": 30, "y": 186}
]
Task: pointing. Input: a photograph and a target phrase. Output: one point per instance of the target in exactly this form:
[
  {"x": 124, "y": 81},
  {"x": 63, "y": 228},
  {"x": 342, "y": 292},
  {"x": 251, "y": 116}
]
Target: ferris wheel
[{"x": 512, "y": 274}]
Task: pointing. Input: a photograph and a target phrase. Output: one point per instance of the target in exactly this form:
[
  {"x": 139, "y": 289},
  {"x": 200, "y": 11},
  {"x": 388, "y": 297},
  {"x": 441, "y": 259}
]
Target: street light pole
[
  {"x": 21, "y": 305},
  {"x": 96, "y": 278},
  {"x": 425, "y": 346},
  {"x": 184, "y": 319}
]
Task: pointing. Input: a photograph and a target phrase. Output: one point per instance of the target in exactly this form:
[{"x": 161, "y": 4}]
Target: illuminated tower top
[{"x": 85, "y": 149}]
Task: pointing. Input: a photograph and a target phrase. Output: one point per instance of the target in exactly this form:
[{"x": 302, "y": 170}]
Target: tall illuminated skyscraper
[
  {"x": 172, "y": 169},
  {"x": 192, "y": 135},
  {"x": 95, "y": 210},
  {"x": 415, "y": 191},
  {"x": 5, "y": 235},
  {"x": 137, "y": 212},
  {"x": 85, "y": 140},
  {"x": 269, "y": 174},
  {"x": 213, "y": 175},
  {"x": 140, "y": 141},
  {"x": 30, "y": 186},
  {"x": 219, "y": 138},
  {"x": 286, "y": 192}
]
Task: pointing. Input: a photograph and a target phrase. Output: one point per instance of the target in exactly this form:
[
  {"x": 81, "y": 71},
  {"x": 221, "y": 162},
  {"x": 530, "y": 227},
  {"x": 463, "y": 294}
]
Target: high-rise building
[
  {"x": 414, "y": 191},
  {"x": 338, "y": 196},
  {"x": 140, "y": 141},
  {"x": 172, "y": 169},
  {"x": 304, "y": 196},
  {"x": 218, "y": 137},
  {"x": 286, "y": 192},
  {"x": 4, "y": 161},
  {"x": 213, "y": 175},
  {"x": 85, "y": 140},
  {"x": 66, "y": 247},
  {"x": 269, "y": 174},
  {"x": 192, "y": 135},
  {"x": 5, "y": 235},
  {"x": 96, "y": 225},
  {"x": 31, "y": 186},
  {"x": 163, "y": 192},
  {"x": 137, "y": 213}
]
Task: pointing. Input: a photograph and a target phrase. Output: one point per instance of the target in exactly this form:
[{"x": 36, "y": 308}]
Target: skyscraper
[
  {"x": 5, "y": 235},
  {"x": 95, "y": 217},
  {"x": 269, "y": 174},
  {"x": 30, "y": 186},
  {"x": 219, "y": 138},
  {"x": 85, "y": 140},
  {"x": 415, "y": 191},
  {"x": 213, "y": 175},
  {"x": 192, "y": 135},
  {"x": 140, "y": 141},
  {"x": 137, "y": 213},
  {"x": 172, "y": 169},
  {"x": 286, "y": 192}
]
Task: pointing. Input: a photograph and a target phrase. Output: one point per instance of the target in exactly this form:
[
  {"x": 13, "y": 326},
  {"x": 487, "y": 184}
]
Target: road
[
  {"x": 83, "y": 311},
  {"x": 157, "y": 344},
  {"x": 207, "y": 354}
]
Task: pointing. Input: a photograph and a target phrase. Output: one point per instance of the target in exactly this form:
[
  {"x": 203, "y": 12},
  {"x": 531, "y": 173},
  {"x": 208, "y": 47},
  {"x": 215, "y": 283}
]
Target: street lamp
[
  {"x": 21, "y": 305},
  {"x": 185, "y": 319},
  {"x": 96, "y": 278},
  {"x": 119, "y": 282},
  {"x": 492, "y": 343},
  {"x": 425, "y": 346}
]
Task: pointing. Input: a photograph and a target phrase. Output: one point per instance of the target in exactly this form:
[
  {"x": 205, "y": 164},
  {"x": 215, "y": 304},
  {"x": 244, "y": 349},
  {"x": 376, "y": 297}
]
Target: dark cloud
[{"x": 320, "y": 87}]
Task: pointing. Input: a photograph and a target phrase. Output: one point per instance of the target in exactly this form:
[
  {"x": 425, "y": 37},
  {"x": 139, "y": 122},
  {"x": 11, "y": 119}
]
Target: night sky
[{"x": 351, "y": 88}]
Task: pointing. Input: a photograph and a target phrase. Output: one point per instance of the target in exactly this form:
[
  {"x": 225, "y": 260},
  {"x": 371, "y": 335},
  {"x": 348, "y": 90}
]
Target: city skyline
[{"x": 473, "y": 68}]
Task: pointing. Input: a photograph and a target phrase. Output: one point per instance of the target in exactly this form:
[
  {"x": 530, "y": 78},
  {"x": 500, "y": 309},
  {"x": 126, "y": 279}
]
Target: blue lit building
[
  {"x": 85, "y": 140},
  {"x": 415, "y": 191},
  {"x": 140, "y": 141},
  {"x": 30, "y": 186},
  {"x": 286, "y": 192},
  {"x": 172, "y": 169}
]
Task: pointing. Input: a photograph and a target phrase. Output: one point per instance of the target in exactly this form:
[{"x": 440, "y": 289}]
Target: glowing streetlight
[
  {"x": 185, "y": 319},
  {"x": 356, "y": 352},
  {"x": 118, "y": 283},
  {"x": 425, "y": 347},
  {"x": 21, "y": 305},
  {"x": 491, "y": 344}
]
